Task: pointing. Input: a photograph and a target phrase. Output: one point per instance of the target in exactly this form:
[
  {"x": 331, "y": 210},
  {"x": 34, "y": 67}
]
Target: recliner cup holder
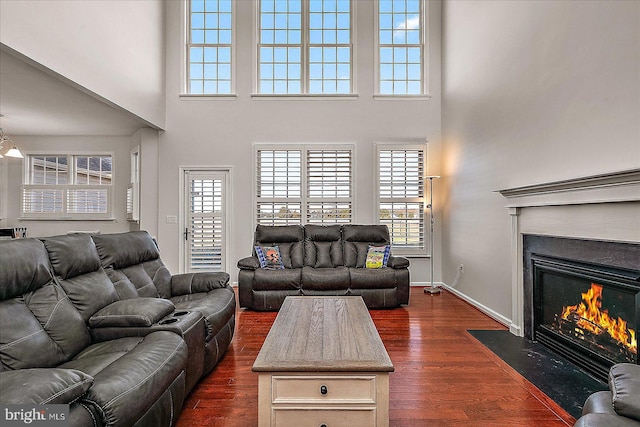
[
  {"x": 180, "y": 313},
  {"x": 168, "y": 321}
]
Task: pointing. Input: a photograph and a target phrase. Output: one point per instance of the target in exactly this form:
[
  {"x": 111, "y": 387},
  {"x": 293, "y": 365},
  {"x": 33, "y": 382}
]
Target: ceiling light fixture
[{"x": 13, "y": 152}]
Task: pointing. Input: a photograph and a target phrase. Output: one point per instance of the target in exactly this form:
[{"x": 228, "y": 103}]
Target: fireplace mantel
[
  {"x": 622, "y": 186},
  {"x": 610, "y": 201}
]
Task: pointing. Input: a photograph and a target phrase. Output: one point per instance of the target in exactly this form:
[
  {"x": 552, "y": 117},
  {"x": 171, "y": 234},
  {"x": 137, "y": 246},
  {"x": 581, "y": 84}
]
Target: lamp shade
[{"x": 14, "y": 152}]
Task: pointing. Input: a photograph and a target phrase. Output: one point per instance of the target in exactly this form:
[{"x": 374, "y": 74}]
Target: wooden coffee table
[{"x": 323, "y": 364}]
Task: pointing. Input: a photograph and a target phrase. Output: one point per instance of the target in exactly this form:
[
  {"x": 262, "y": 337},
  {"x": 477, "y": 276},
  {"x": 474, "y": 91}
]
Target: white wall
[
  {"x": 222, "y": 133},
  {"x": 119, "y": 146},
  {"x": 113, "y": 49},
  {"x": 532, "y": 92}
]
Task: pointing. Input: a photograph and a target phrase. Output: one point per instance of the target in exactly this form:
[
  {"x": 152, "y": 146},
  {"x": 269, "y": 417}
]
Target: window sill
[
  {"x": 379, "y": 97},
  {"x": 207, "y": 97},
  {"x": 304, "y": 97},
  {"x": 64, "y": 219}
]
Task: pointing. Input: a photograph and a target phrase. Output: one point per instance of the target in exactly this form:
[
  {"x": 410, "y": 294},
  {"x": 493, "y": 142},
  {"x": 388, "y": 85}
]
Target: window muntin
[
  {"x": 400, "y": 47},
  {"x": 67, "y": 187},
  {"x": 401, "y": 196},
  {"x": 304, "y": 47},
  {"x": 209, "y": 47},
  {"x": 304, "y": 185}
]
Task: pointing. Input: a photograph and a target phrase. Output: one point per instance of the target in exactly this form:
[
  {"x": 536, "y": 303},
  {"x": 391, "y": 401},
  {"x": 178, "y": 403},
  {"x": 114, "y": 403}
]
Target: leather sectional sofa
[
  {"x": 322, "y": 260},
  {"x": 620, "y": 405},
  {"x": 99, "y": 323}
]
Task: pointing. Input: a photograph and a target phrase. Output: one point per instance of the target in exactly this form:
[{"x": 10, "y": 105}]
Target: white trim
[
  {"x": 304, "y": 96},
  {"x": 207, "y": 97}
]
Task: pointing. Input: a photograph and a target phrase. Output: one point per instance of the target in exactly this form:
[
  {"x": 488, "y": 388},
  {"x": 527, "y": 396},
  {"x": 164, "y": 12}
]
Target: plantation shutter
[
  {"x": 205, "y": 222},
  {"x": 279, "y": 187},
  {"x": 402, "y": 196},
  {"x": 329, "y": 177}
]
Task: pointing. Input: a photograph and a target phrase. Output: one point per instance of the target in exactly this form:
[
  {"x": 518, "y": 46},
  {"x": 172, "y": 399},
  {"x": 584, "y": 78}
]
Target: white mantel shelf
[{"x": 621, "y": 186}]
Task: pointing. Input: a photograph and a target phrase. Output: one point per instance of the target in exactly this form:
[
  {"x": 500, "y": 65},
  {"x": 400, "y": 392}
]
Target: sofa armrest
[
  {"x": 624, "y": 383},
  {"x": 191, "y": 283},
  {"x": 397, "y": 262},
  {"x": 42, "y": 386},
  {"x": 134, "y": 312},
  {"x": 249, "y": 263}
]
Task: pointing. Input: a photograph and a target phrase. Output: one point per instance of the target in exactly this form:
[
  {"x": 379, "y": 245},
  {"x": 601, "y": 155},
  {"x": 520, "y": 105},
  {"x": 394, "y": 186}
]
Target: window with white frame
[
  {"x": 67, "y": 186},
  {"x": 401, "y": 195},
  {"x": 305, "y": 47},
  {"x": 401, "y": 47},
  {"x": 304, "y": 184},
  {"x": 133, "y": 190},
  {"x": 209, "y": 47}
]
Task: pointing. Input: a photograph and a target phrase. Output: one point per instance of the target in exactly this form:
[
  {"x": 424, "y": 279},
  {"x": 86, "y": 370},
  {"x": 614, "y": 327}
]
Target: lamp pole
[{"x": 431, "y": 289}]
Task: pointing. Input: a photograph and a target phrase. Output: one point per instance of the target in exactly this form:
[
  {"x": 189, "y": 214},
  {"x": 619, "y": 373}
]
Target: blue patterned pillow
[
  {"x": 269, "y": 257},
  {"x": 377, "y": 256}
]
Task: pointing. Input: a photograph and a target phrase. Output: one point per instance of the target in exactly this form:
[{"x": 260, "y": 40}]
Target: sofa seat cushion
[
  {"x": 130, "y": 374},
  {"x": 325, "y": 279},
  {"x": 42, "y": 386},
  {"x": 366, "y": 278},
  {"x": 277, "y": 280},
  {"x": 605, "y": 420},
  {"x": 217, "y": 307},
  {"x": 624, "y": 383}
]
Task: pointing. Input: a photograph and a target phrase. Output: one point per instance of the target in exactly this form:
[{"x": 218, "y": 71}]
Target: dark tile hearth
[{"x": 561, "y": 380}]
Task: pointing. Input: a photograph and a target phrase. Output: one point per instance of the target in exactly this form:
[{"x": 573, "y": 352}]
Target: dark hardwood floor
[{"x": 443, "y": 376}]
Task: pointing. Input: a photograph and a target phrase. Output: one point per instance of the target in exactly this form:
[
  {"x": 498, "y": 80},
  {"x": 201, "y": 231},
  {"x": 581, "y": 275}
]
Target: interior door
[{"x": 205, "y": 220}]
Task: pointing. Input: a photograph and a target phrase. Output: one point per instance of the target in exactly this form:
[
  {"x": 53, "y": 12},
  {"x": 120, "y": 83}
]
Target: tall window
[
  {"x": 401, "y": 195},
  {"x": 304, "y": 184},
  {"x": 67, "y": 186},
  {"x": 305, "y": 47},
  {"x": 401, "y": 47},
  {"x": 209, "y": 47}
]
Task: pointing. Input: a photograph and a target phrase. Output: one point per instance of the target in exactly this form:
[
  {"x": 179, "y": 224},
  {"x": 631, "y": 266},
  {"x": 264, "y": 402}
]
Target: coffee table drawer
[
  {"x": 324, "y": 417},
  {"x": 324, "y": 389}
]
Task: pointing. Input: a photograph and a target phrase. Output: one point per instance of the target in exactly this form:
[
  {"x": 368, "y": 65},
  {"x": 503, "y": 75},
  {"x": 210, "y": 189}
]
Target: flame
[{"x": 597, "y": 321}]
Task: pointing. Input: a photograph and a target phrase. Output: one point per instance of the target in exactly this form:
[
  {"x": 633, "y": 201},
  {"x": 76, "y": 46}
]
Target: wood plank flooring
[{"x": 443, "y": 376}]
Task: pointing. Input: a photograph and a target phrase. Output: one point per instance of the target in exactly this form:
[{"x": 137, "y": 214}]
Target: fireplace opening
[{"x": 587, "y": 312}]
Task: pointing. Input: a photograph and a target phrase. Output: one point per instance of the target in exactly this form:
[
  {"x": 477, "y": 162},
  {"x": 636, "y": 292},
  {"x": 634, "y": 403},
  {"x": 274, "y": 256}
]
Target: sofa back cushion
[
  {"x": 323, "y": 246},
  {"x": 356, "y": 241},
  {"x": 132, "y": 262},
  {"x": 76, "y": 264},
  {"x": 24, "y": 267},
  {"x": 39, "y": 325},
  {"x": 288, "y": 238}
]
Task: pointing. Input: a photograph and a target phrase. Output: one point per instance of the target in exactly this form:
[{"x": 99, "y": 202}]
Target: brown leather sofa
[
  {"x": 322, "y": 260},
  {"x": 620, "y": 405},
  {"x": 116, "y": 351}
]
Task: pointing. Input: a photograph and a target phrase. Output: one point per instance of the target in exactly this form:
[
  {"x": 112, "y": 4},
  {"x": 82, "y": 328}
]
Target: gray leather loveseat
[
  {"x": 322, "y": 260},
  {"x": 105, "y": 341},
  {"x": 620, "y": 405}
]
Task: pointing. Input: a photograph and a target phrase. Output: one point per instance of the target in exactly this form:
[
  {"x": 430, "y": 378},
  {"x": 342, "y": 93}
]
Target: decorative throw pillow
[
  {"x": 377, "y": 256},
  {"x": 269, "y": 257}
]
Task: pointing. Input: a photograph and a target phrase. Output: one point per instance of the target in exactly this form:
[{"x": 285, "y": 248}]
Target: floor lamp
[{"x": 431, "y": 289}]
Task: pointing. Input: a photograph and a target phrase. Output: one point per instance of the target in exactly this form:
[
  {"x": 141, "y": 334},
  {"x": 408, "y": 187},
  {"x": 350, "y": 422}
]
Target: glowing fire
[{"x": 597, "y": 321}]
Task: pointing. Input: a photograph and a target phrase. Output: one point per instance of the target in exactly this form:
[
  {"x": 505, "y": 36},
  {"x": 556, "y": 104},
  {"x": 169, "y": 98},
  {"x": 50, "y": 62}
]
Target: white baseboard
[{"x": 483, "y": 308}]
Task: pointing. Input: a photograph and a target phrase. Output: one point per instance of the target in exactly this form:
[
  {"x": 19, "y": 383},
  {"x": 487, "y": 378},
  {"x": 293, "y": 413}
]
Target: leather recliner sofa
[
  {"x": 322, "y": 260},
  {"x": 620, "y": 405},
  {"x": 70, "y": 335}
]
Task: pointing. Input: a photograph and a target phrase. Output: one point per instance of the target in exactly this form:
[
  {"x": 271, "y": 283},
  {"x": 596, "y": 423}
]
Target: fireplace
[{"x": 582, "y": 299}]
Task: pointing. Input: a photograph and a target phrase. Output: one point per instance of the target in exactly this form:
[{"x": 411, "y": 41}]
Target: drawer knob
[{"x": 323, "y": 390}]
